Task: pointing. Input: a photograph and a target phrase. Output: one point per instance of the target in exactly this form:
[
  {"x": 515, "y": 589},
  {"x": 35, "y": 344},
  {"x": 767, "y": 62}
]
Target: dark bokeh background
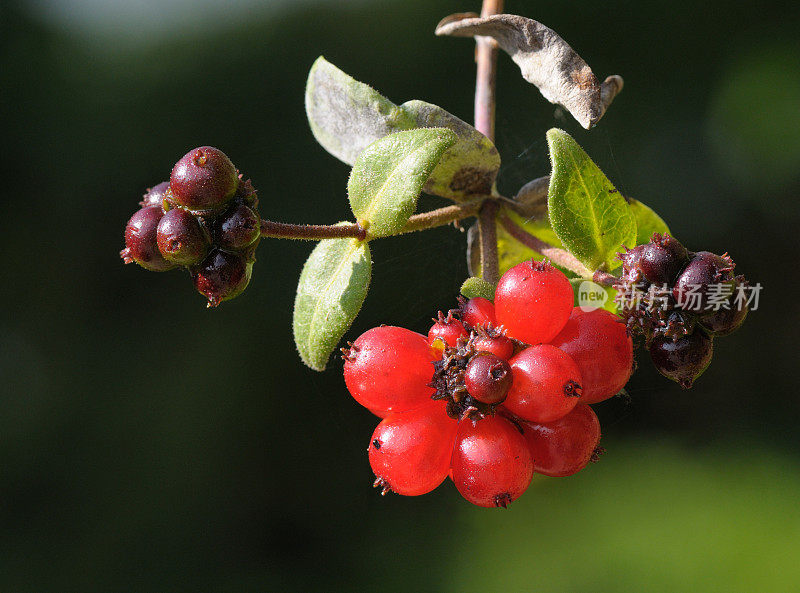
[{"x": 147, "y": 444}]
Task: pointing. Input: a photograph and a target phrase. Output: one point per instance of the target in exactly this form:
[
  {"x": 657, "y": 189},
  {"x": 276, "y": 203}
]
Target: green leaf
[
  {"x": 389, "y": 174},
  {"x": 346, "y": 116},
  {"x": 478, "y": 287},
  {"x": 586, "y": 211},
  {"x": 511, "y": 252},
  {"x": 583, "y": 290},
  {"x": 647, "y": 222},
  {"x": 332, "y": 288}
]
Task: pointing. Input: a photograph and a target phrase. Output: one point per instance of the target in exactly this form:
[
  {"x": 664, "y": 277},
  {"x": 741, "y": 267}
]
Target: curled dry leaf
[
  {"x": 545, "y": 59},
  {"x": 531, "y": 199}
]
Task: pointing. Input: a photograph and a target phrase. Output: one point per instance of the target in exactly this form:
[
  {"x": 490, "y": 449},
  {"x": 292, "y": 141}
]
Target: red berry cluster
[
  {"x": 679, "y": 301},
  {"x": 205, "y": 218},
  {"x": 494, "y": 393}
]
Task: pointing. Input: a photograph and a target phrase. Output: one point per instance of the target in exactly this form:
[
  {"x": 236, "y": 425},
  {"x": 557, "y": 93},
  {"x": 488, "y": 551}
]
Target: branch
[{"x": 486, "y": 58}]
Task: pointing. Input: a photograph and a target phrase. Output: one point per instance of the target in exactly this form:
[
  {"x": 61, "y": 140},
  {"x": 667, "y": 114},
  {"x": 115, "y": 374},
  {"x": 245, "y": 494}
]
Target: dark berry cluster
[
  {"x": 494, "y": 393},
  {"x": 678, "y": 301},
  {"x": 205, "y": 219}
]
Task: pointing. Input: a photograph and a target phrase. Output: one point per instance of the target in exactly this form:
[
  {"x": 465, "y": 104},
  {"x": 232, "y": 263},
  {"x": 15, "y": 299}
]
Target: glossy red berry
[
  {"x": 565, "y": 446},
  {"x": 547, "y": 384},
  {"x": 237, "y": 228},
  {"x": 600, "y": 345},
  {"x": 491, "y": 464},
  {"x": 533, "y": 301},
  {"x": 155, "y": 195},
  {"x": 663, "y": 259},
  {"x": 684, "y": 359},
  {"x": 488, "y": 378},
  {"x": 221, "y": 276},
  {"x": 387, "y": 369},
  {"x": 694, "y": 285},
  {"x": 499, "y": 345},
  {"x": 203, "y": 179},
  {"x": 447, "y": 329},
  {"x": 410, "y": 452},
  {"x": 141, "y": 245},
  {"x": 180, "y": 238},
  {"x": 478, "y": 311}
]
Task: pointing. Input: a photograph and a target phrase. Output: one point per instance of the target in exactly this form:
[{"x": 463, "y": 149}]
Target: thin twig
[
  {"x": 487, "y": 220},
  {"x": 441, "y": 216}
]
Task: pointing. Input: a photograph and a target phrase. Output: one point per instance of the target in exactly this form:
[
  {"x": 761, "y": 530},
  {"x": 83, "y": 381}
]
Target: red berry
[
  {"x": 140, "y": 240},
  {"x": 203, "y": 179},
  {"x": 488, "y": 378},
  {"x": 491, "y": 464},
  {"x": 447, "y": 329},
  {"x": 410, "y": 452},
  {"x": 547, "y": 384},
  {"x": 180, "y": 238},
  {"x": 387, "y": 369},
  {"x": 533, "y": 301},
  {"x": 237, "y": 228},
  {"x": 565, "y": 446},
  {"x": 155, "y": 195},
  {"x": 498, "y": 345},
  {"x": 478, "y": 311},
  {"x": 221, "y": 276},
  {"x": 600, "y": 345}
]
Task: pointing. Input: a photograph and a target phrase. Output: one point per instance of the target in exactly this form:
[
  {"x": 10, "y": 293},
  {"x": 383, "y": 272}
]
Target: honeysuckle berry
[
  {"x": 222, "y": 275},
  {"x": 693, "y": 286},
  {"x": 565, "y": 446},
  {"x": 726, "y": 320},
  {"x": 663, "y": 259},
  {"x": 203, "y": 179},
  {"x": 491, "y": 464},
  {"x": 546, "y": 386},
  {"x": 599, "y": 344},
  {"x": 155, "y": 195},
  {"x": 237, "y": 228},
  {"x": 410, "y": 452},
  {"x": 387, "y": 369},
  {"x": 478, "y": 311},
  {"x": 684, "y": 359},
  {"x": 446, "y": 328},
  {"x": 533, "y": 301},
  {"x": 488, "y": 378},
  {"x": 180, "y": 238},
  {"x": 494, "y": 341},
  {"x": 141, "y": 245}
]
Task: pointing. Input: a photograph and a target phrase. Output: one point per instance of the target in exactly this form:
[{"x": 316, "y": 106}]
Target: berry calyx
[
  {"x": 565, "y": 446},
  {"x": 141, "y": 245},
  {"x": 491, "y": 464},
  {"x": 180, "y": 238},
  {"x": 155, "y": 195},
  {"x": 547, "y": 384},
  {"x": 387, "y": 369},
  {"x": 221, "y": 276},
  {"x": 533, "y": 301},
  {"x": 478, "y": 311},
  {"x": 663, "y": 259},
  {"x": 409, "y": 452},
  {"x": 684, "y": 359},
  {"x": 448, "y": 329},
  {"x": 203, "y": 179},
  {"x": 488, "y": 378},
  {"x": 600, "y": 345}
]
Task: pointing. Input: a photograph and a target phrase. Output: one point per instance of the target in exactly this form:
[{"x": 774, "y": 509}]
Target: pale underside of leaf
[
  {"x": 544, "y": 59},
  {"x": 586, "y": 211},
  {"x": 389, "y": 174},
  {"x": 346, "y": 116},
  {"x": 331, "y": 290}
]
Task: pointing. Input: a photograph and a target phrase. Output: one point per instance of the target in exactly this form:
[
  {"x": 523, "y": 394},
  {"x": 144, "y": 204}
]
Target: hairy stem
[{"x": 490, "y": 268}]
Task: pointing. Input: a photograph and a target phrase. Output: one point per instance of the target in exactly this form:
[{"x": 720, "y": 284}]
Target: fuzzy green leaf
[
  {"x": 586, "y": 211},
  {"x": 647, "y": 222},
  {"x": 478, "y": 287},
  {"x": 346, "y": 116},
  {"x": 389, "y": 174},
  {"x": 331, "y": 290}
]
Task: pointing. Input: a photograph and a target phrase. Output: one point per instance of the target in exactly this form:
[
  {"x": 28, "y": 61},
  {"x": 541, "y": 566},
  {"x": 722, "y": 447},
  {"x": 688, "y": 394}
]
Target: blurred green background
[{"x": 148, "y": 444}]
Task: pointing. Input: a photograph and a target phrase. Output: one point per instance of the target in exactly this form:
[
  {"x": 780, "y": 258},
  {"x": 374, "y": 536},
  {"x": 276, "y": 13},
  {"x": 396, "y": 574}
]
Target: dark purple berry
[
  {"x": 238, "y": 228},
  {"x": 204, "y": 179},
  {"x": 663, "y": 259},
  {"x": 488, "y": 378},
  {"x": 180, "y": 238},
  {"x": 683, "y": 360},
  {"x": 676, "y": 324},
  {"x": 155, "y": 195},
  {"x": 140, "y": 241},
  {"x": 221, "y": 276},
  {"x": 700, "y": 279},
  {"x": 725, "y": 321}
]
